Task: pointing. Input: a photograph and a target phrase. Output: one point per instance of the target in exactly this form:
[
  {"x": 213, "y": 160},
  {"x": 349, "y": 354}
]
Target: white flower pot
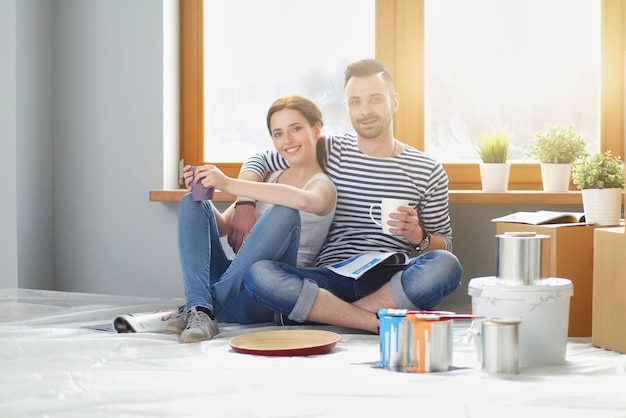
[
  {"x": 494, "y": 177},
  {"x": 555, "y": 177},
  {"x": 602, "y": 206}
]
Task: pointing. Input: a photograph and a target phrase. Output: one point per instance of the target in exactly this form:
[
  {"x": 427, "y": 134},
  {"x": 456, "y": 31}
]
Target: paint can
[
  {"x": 523, "y": 258},
  {"x": 500, "y": 345},
  {"x": 415, "y": 341},
  {"x": 428, "y": 344},
  {"x": 392, "y": 345}
]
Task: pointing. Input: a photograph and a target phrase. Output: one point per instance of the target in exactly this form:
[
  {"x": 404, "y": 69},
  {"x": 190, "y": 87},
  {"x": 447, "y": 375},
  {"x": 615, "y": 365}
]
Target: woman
[{"x": 213, "y": 283}]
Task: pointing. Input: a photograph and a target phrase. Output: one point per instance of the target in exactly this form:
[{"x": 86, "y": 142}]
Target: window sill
[{"x": 456, "y": 196}]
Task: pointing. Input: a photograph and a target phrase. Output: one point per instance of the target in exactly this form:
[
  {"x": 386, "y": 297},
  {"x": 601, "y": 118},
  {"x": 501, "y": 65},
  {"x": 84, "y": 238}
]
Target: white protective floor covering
[{"x": 51, "y": 367}]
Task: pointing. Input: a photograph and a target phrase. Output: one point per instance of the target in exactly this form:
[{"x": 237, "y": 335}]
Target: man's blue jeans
[
  {"x": 291, "y": 290},
  {"x": 212, "y": 280}
]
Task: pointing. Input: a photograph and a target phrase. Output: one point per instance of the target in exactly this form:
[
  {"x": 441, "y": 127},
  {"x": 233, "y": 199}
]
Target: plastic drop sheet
[{"x": 52, "y": 366}]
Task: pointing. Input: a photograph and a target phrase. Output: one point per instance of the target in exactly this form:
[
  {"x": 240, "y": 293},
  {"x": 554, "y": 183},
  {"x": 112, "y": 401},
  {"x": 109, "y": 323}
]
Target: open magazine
[
  {"x": 543, "y": 217},
  {"x": 358, "y": 265},
  {"x": 155, "y": 321}
]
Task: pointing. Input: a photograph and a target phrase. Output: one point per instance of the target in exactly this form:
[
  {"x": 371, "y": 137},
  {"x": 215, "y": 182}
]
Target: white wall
[
  {"x": 8, "y": 145},
  {"x": 108, "y": 150},
  {"x": 82, "y": 143},
  {"x": 35, "y": 175},
  {"x": 88, "y": 128}
]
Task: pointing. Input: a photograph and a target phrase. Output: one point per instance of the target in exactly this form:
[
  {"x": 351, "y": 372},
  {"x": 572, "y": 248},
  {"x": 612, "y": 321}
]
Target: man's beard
[{"x": 375, "y": 131}]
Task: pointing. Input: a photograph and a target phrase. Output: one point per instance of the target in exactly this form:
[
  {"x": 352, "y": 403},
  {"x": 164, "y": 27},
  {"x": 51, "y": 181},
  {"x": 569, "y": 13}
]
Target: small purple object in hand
[{"x": 198, "y": 190}]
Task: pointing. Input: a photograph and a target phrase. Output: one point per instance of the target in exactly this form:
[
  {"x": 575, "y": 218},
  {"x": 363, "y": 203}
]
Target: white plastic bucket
[{"x": 543, "y": 311}]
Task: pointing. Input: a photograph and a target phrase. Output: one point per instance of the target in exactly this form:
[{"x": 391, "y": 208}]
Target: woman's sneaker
[
  {"x": 179, "y": 322},
  {"x": 200, "y": 327}
]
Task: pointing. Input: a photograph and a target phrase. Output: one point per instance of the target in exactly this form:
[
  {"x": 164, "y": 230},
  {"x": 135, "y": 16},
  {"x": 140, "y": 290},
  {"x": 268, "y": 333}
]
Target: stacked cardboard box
[{"x": 609, "y": 289}]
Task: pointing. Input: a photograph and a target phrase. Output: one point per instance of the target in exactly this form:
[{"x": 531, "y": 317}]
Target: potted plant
[
  {"x": 600, "y": 178},
  {"x": 493, "y": 148},
  {"x": 556, "y": 149}
]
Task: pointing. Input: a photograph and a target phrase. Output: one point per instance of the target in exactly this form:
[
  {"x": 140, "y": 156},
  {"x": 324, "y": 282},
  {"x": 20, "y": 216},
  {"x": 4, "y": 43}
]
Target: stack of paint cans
[{"x": 526, "y": 311}]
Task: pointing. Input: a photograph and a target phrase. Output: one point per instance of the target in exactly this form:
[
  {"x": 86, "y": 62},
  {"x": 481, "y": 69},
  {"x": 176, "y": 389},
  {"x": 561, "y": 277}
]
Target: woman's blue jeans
[
  {"x": 290, "y": 290},
  {"x": 212, "y": 280}
]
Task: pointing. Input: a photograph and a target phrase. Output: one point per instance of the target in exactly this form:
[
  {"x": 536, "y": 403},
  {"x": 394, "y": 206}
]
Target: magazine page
[
  {"x": 356, "y": 266},
  {"x": 108, "y": 327},
  {"x": 542, "y": 217}
]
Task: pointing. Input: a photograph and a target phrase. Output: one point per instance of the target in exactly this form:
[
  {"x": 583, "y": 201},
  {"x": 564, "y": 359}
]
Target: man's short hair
[{"x": 366, "y": 68}]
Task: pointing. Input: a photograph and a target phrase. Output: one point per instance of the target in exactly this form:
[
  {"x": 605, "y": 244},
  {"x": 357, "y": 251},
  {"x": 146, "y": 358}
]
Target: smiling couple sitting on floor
[{"x": 294, "y": 221}]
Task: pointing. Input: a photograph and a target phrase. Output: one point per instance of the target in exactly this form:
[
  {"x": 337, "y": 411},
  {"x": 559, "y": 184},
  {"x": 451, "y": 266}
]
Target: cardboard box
[
  {"x": 570, "y": 257},
  {"x": 609, "y": 289}
]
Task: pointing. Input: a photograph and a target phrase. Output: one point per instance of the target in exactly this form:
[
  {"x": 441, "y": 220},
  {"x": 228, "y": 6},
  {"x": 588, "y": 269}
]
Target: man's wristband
[
  {"x": 246, "y": 202},
  {"x": 422, "y": 246}
]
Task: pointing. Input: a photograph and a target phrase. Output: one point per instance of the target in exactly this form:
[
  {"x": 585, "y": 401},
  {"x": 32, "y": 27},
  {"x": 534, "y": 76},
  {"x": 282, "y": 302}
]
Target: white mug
[{"x": 387, "y": 206}]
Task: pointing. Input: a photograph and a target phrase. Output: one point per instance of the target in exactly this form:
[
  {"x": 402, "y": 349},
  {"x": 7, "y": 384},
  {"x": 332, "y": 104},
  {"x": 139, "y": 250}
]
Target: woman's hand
[
  {"x": 187, "y": 176},
  {"x": 211, "y": 176}
]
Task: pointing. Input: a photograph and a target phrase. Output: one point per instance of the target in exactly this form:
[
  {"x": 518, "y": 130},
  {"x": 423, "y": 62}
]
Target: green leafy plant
[
  {"x": 556, "y": 145},
  {"x": 599, "y": 171},
  {"x": 493, "y": 145}
]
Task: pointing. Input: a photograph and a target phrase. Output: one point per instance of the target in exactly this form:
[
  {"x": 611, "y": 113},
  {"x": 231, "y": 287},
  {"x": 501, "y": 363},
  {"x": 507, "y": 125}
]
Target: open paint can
[
  {"x": 415, "y": 341},
  {"x": 429, "y": 344},
  {"x": 392, "y": 346}
]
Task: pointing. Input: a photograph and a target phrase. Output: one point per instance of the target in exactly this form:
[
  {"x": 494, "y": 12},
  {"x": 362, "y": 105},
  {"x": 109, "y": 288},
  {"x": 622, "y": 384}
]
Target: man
[{"x": 365, "y": 169}]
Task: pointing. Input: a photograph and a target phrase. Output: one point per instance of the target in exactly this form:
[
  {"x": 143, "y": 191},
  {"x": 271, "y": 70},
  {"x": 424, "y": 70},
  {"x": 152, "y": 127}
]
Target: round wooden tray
[{"x": 285, "y": 342}]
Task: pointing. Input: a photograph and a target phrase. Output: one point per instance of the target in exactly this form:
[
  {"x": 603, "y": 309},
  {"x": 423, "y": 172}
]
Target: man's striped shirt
[{"x": 362, "y": 181}]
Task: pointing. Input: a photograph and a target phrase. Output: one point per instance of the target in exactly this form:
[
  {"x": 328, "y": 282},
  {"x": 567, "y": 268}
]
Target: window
[
  {"x": 400, "y": 43},
  {"x": 276, "y": 48},
  {"x": 523, "y": 65}
]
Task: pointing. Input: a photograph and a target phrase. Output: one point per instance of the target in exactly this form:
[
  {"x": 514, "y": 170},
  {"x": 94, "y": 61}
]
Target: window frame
[{"x": 400, "y": 44}]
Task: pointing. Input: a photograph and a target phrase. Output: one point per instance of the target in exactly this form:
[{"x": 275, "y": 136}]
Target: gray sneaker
[
  {"x": 179, "y": 322},
  {"x": 200, "y": 327}
]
